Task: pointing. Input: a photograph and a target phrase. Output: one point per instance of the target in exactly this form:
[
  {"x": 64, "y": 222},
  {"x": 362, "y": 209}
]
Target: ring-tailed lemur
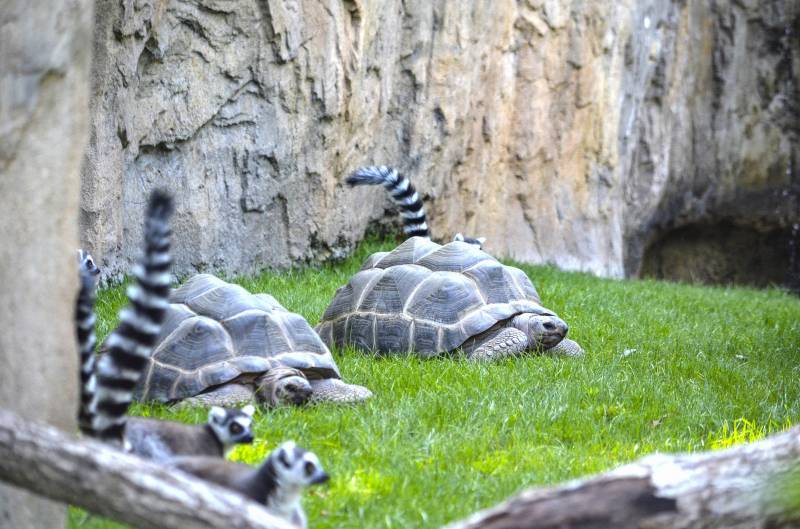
[
  {"x": 163, "y": 440},
  {"x": 405, "y": 197},
  {"x": 278, "y": 483},
  {"x": 107, "y": 386},
  {"x": 86, "y": 263}
]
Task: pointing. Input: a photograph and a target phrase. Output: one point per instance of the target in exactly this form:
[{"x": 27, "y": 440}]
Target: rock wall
[
  {"x": 576, "y": 133},
  {"x": 44, "y": 113}
]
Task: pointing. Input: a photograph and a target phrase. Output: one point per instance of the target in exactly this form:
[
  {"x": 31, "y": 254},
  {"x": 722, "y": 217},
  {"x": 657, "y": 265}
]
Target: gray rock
[{"x": 581, "y": 134}]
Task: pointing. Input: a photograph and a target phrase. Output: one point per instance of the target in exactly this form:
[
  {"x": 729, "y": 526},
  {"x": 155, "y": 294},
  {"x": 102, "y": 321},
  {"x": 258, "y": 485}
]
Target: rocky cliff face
[{"x": 582, "y": 134}]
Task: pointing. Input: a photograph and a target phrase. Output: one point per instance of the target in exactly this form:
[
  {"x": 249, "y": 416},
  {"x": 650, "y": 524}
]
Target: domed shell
[
  {"x": 216, "y": 331},
  {"x": 426, "y": 298}
]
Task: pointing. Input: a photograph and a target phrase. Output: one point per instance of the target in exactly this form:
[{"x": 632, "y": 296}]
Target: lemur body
[
  {"x": 107, "y": 385},
  {"x": 278, "y": 483},
  {"x": 163, "y": 440},
  {"x": 405, "y": 197}
]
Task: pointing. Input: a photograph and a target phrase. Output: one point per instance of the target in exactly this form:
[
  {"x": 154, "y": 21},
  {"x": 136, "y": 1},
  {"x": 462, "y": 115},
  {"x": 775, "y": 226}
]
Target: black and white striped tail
[
  {"x": 402, "y": 193},
  {"x": 130, "y": 344},
  {"x": 84, "y": 326}
]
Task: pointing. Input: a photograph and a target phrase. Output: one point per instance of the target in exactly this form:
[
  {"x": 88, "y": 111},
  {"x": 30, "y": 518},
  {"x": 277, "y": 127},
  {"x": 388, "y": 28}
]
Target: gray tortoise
[
  {"x": 221, "y": 345},
  {"x": 429, "y": 299}
]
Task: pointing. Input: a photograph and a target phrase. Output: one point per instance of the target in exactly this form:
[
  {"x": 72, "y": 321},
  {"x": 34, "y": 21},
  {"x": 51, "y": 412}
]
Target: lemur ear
[
  {"x": 283, "y": 457},
  {"x": 459, "y": 237},
  {"x": 217, "y": 414},
  {"x": 481, "y": 240},
  {"x": 249, "y": 410}
]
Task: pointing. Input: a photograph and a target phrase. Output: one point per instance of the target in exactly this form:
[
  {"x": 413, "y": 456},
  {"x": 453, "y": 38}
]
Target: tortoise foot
[
  {"x": 335, "y": 390},
  {"x": 565, "y": 347},
  {"x": 228, "y": 396}
]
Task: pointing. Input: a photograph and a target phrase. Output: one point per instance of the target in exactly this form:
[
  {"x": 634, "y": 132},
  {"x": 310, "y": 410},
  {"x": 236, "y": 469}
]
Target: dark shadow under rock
[{"x": 725, "y": 253}]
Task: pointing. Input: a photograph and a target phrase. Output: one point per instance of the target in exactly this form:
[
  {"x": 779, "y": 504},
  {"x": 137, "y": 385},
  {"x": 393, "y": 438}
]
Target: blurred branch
[
  {"x": 747, "y": 486},
  {"x": 97, "y": 477}
]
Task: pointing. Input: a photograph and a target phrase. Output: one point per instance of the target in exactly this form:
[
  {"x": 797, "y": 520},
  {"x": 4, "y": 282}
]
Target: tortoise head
[
  {"x": 282, "y": 386},
  {"x": 544, "y": 330}
]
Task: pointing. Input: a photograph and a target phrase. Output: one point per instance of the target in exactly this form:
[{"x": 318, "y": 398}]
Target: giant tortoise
[
  {"x": 428, "y": 299},
  {"x": 221, "y": 345}
]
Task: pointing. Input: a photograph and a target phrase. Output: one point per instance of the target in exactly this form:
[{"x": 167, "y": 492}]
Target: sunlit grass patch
[
  {"x": 745, "y": 431},
  {"x": 668, "y": 368}
]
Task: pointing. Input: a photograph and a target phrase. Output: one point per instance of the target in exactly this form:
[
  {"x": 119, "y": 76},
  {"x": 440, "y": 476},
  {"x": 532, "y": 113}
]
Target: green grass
[{"x": 668, "y": 368}]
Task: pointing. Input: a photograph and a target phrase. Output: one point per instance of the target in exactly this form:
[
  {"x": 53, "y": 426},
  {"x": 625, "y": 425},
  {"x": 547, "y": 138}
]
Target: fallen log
[
  {"x": 103, "y": 480},
  {"x": 752, "y": 486}
]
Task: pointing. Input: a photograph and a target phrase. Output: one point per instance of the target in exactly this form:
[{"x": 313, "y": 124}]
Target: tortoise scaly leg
[
  {"x": 230, "y": 395},
  {"x": 500, "y": 343},
  {"x": 335, "y": 390},
  {"x": 565, "y": 347}
]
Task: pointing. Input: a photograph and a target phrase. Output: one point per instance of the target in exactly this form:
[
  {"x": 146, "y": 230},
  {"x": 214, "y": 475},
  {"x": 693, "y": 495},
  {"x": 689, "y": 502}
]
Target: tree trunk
[
  {"x": 744, "y": 487},
  {"x": 103, "y": 480},
  {"x": 45, "y": 52}
]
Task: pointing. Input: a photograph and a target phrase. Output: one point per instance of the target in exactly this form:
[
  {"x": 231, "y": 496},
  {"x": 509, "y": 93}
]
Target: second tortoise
[
  {"x": 221, "y": 345},
  {"x": 427, "y": 299}
]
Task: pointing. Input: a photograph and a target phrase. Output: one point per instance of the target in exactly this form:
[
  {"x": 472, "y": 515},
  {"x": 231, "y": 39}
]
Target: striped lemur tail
[
  {"x": 84, "y": 325},
  {"x": 110, "y": 390},
  {"x": 402, "y": 193}
]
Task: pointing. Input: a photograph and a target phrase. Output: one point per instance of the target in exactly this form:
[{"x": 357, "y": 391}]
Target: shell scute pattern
[
  {"x": 454, "y": 257},
  {"x": 195, "y": 333},
  {"x": 217, "y": 332},
  {"x": 444, "y": 297},
  {"x": 388, "y": 294},
  {"x": 410, "y": 252},
  {"x": 173, "y": 320},
  {"x": 254, "y": 330},
  {"x": 426, "y": 298}
]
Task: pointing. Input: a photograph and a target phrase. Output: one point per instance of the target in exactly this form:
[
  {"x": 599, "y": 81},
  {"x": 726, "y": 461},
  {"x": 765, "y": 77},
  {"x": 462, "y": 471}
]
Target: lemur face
[
  {"x": 297, "y": 467},
  {"x": 86, "y": 263},
  {"x": 470, "y": 240},
  {"x": 232, "y": 426}
]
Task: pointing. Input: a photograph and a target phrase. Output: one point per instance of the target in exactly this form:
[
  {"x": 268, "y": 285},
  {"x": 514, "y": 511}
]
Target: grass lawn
[{"x": 668, "y": 368}]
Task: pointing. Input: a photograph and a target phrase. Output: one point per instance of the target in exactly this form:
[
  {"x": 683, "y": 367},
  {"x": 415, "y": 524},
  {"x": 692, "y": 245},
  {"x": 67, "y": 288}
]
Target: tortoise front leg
[
  {"x": 565, "y": 347},
  {"x": 229, "y": 395},
  {"x": 499, "y": 343},
  {"x": 335, "y": 390}
]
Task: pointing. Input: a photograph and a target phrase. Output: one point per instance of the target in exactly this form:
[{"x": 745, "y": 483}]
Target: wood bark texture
[
  {"x": 743, "y": 487},
  {"x": 105, "y": 481}
]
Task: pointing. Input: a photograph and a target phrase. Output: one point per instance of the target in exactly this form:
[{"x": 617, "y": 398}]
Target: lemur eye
[
  {"x": 309, "y": 468},
  {"x": 282, "y": 458},
  {"x": 236, "y": 428}
]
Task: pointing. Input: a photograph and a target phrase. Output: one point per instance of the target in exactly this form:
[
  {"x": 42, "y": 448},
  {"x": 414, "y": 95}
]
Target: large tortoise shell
[
  {"x": 216, "y": 331},
  {"x": 426, "y": 298}
]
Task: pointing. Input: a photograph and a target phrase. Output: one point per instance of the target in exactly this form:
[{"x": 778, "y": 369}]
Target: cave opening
[{"x": 726, "y": 254}]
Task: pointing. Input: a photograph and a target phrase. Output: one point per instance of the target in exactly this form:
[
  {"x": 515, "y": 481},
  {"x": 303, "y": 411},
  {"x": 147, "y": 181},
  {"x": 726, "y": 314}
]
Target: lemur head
[
  {"x": 470, "y": 240},
  {"x": 296, "y": 467},
  {"x": 86, "y": 264},
  {"x": 232, "y": 426}
]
